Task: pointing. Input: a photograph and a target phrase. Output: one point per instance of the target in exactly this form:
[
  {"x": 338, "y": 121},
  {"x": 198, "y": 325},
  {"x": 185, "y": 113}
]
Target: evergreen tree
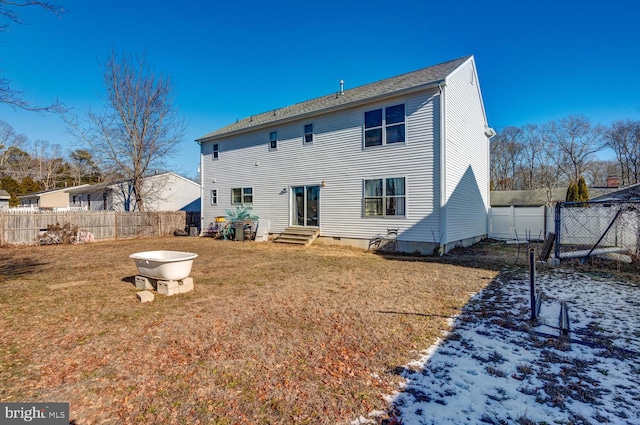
[
  {"x": 13, "y": 187},
  {"x": 583, "y": 191},
  {"x": 28, "y": 185},
  {"x": 572, "y": 192}
]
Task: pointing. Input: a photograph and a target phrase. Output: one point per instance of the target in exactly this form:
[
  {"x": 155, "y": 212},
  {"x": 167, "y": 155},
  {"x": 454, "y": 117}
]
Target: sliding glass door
[{"x": 305, "y": 209}]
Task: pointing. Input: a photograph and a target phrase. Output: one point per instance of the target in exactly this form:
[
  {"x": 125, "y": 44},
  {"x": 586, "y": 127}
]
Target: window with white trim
[
  {"x": 384, "y": 197},
  {"x": 216, "y": 151},
  {"x": 273, "y": 140},
  {"x": 214, "y": 196},
  {"x": 242, "y": 196},
  {"x": 308, "y": 133},
  {"x": 384, "y": 126}
]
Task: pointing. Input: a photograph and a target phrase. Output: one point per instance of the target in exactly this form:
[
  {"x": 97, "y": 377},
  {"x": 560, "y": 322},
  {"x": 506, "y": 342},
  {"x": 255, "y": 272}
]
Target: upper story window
[
  {"x": 385, "y": 197},
  {"x": 214, "y": 196},
  {"x": 273, "y": 140},
  {"x": 384, "y": 126},
  {"x": 242, "y": 196},
  {"x": 308, "y": 133},
  {"x": 216, "y": 151}
]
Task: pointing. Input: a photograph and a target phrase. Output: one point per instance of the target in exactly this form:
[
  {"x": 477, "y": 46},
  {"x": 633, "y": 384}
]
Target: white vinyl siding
[
  {"x": 337, "y": 157},
  {"x": 467, "y": 150}
]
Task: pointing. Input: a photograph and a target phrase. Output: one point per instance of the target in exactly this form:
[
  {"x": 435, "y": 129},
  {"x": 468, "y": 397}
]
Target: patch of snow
[{"x": 494, "y": 366}]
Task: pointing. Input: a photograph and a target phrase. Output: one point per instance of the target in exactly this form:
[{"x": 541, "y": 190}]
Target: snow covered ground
[{"x": 494, "y": 367}]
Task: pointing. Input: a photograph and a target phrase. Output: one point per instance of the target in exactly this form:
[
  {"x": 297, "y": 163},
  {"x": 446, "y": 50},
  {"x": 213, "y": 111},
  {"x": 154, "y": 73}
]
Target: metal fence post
[
  {"x": 557, "y": 223},
  {"x": 532, "y": 282}
]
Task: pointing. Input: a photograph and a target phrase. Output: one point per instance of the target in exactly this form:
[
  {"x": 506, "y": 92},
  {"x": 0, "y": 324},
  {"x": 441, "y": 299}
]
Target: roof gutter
[{"x": 426, "y": 86}]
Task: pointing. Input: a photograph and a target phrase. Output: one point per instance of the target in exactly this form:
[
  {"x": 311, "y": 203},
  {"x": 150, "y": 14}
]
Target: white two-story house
[{"x": 410, "y": 152}]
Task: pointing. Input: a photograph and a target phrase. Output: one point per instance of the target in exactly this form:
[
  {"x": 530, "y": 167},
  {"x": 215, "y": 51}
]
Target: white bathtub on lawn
[{"x": 164, "y": 265}]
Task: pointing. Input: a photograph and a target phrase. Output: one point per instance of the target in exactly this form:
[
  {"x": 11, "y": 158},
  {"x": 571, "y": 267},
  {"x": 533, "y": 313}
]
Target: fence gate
[{"x": 589, "y": 228}]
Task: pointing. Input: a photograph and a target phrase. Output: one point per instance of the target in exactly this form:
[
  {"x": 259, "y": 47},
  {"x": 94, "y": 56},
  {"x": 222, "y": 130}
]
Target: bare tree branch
[
  {"x": 9, "y": 95},
  {"x": 139, "y": 127}
]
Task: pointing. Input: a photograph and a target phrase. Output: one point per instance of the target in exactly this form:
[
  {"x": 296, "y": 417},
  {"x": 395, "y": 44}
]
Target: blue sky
[{"x": 537, "y": 60}]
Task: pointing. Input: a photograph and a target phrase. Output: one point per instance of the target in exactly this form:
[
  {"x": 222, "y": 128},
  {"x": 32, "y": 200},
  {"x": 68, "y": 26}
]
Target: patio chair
[
  {"x": 386, "y": 242},
  {"x": 391, "y": 240},
  {"x": 375, "y": 241}
]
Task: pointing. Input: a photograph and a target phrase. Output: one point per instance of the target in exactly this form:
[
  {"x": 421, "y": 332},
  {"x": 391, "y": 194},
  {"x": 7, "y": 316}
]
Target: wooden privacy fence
[{"x": 24, "y": 228}]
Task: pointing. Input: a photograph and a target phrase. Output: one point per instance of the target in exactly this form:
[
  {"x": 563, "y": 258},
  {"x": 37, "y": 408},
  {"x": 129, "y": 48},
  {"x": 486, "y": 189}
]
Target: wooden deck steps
[{"x": 303, "y": 236}]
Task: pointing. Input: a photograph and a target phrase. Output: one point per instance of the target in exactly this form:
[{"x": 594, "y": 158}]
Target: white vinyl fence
[{"x": 520, "y": 223}]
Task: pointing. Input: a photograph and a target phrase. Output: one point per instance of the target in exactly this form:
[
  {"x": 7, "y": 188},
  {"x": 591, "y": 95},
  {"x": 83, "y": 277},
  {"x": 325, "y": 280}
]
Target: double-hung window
[
  {"x": 385, "y": 197},
  {"x": 216, "y": 151},
  {"x": 273, "y": 140},
  {"x": 242, "y": 196},
  {"x": 214, "y": 196},
  {"x": 384, "y": 126},
  {"x": 308, "y": 133}
]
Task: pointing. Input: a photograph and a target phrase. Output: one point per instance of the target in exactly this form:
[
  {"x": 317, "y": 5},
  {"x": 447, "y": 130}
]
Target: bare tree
[
  {"x": 49, "y": 165},
  {"x": 531, "y": 155},
  {"x": 505, "y": 153},
  {"x": 8, "y": 94},
  {"x": 82, "y": 166},
  {"x": 18, "y": 163},
  {"x": 624, "y": 138},
  {"x": 8, "y": 138},
  {"x": 597, "y": 172},
  {"x": 573, "y": 141},
  {"x": 139, "y": 126}
]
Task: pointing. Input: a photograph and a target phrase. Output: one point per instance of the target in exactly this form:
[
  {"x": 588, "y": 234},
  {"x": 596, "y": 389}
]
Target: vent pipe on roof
[{"x": 341, "y": 87}]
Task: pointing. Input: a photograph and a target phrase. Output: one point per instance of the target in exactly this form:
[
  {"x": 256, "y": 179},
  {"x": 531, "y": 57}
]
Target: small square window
[
  {"x": 373, "y": 118},
  {"x": 215, "y": 151},
  {"x": 384, "y": 197},
  {"x": 385, "y": 126},
  {"x": 308, "y": 133},
  {"x": 242, "y": 196},
  {"x": 273, "y": 140}
]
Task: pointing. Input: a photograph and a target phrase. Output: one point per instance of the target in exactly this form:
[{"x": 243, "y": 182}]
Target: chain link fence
[{"x": 597, "y": 228}]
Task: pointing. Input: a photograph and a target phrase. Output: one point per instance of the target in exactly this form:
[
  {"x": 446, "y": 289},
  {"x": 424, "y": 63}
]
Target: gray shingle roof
[{"x": 410, "y": 80}]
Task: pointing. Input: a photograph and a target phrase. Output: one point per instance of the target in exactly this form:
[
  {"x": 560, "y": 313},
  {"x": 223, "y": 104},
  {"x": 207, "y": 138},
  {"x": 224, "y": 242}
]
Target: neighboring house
[
  {"x": 410, "y": 152},
  {"x": 5, "y": 197},
  {"x": 162, "y": 192},
  {"x": 629, "y": 193},
  {"x": 56, "y": 198}
]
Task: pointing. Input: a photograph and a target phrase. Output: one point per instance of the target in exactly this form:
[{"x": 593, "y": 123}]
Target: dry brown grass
[{"x": 270, "y": 335}]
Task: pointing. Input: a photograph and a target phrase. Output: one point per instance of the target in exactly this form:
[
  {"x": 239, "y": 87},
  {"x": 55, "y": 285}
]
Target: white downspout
[{"x": 443, "y": 172}]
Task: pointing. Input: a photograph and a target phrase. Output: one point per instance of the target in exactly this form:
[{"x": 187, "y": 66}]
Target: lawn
[{"x": 271, "y": 334}]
